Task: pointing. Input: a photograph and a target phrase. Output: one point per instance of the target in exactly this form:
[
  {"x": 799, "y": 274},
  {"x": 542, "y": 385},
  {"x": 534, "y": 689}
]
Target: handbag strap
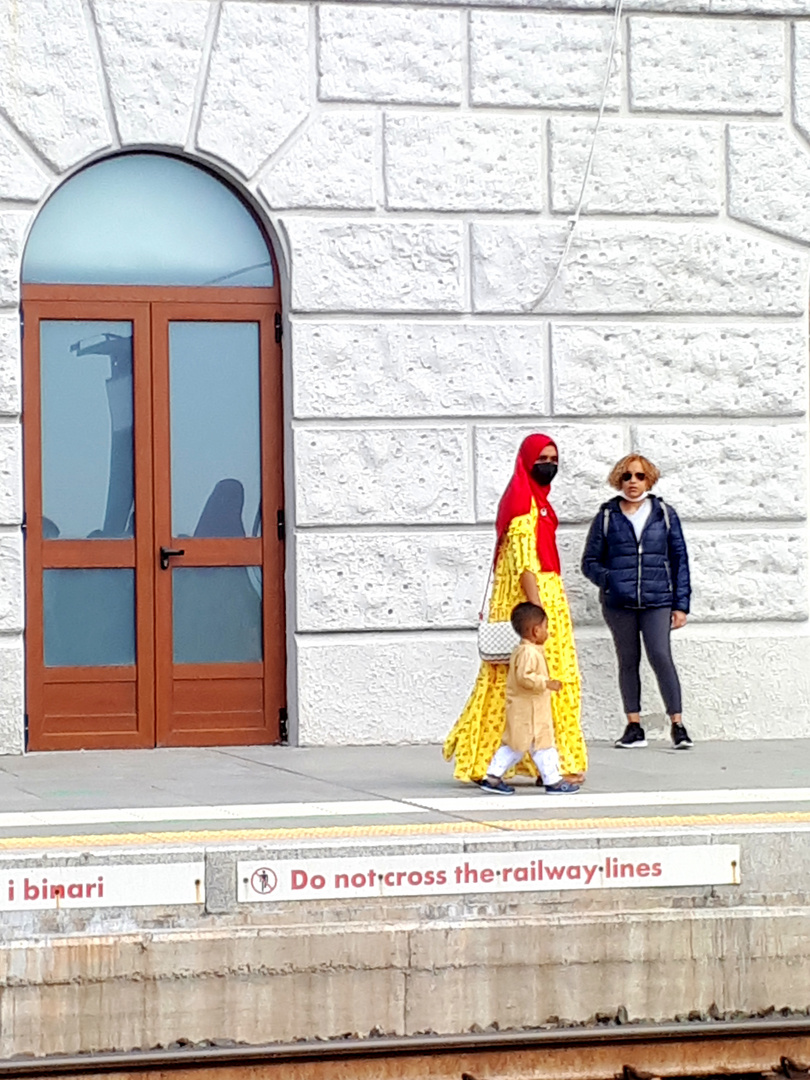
[{"x": 484, "y": 605}]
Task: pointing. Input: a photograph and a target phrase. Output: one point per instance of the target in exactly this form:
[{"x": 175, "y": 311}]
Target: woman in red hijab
[{"x": 527, "y": 567}]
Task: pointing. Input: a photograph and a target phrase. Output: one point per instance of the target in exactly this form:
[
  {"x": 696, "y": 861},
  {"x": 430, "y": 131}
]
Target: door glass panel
[
  {"x": 217, "y": 614},
  {"x": 87, "y": 473},
  {"x": 215, "y": 433},
  {"x": 146, "y": 219},
  {"x": 89, "y": 617}
]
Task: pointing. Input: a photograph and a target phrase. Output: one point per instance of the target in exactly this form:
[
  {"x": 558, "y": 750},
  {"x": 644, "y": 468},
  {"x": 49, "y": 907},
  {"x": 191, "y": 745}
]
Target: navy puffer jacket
[{"x": 630, "y": 574}]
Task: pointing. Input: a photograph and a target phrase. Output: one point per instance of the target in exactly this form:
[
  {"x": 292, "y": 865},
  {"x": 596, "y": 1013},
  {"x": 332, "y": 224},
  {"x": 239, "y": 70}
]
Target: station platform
[
  {"x": 272, "y": 894},
  {"x": 168, "y": 796}
]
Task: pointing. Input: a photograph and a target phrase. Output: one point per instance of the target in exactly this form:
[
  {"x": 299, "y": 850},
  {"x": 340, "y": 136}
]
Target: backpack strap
[{"x": 665, "y": 509}]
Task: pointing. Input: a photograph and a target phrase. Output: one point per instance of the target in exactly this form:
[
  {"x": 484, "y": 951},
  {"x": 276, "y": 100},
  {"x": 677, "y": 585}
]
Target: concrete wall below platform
[
  {"x": 88, "y": 980},
  {"x": 304, "y": 981}
]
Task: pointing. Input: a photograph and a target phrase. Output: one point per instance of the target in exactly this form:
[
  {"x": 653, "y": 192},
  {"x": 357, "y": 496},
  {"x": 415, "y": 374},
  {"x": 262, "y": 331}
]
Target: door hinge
[
  {"x": 281, "y": 525},
  {"x": 25, "y": 732},
  {"x": 283, "y": 725},
  {"x": 22, "y": 325},
  {"x": 278, "y": 327}
]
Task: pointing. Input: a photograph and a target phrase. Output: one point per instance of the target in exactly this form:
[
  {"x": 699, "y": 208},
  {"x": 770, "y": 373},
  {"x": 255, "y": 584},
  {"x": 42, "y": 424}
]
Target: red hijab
[{"x": 517, "y": 501}]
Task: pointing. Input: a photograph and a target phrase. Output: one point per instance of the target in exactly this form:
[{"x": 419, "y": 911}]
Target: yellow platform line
[{"x": 348, "y": 832}]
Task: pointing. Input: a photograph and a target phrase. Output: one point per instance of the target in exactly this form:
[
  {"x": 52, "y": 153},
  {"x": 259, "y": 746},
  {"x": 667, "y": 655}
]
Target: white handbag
[{"x": 496, "y": 640}]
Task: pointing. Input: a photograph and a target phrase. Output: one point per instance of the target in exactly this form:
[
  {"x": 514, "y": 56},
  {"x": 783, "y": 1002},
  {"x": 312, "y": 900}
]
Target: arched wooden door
[{"x": 153, "y": 442}]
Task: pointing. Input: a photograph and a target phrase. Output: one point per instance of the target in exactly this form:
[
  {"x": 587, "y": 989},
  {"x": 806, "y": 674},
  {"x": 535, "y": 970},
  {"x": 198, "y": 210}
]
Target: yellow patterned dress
[{"x": 478, "y": 731}]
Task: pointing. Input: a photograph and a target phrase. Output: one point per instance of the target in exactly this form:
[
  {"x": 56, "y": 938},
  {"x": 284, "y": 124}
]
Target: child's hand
[{"x": 554, "y": 685}]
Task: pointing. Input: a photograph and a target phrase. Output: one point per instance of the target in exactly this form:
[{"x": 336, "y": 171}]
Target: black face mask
[{"x": 543, "y": 472}]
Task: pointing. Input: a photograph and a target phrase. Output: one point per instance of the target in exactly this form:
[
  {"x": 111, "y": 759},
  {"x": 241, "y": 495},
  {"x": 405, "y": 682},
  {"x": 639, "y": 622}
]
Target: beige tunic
[{"x": 529, "y": 725}]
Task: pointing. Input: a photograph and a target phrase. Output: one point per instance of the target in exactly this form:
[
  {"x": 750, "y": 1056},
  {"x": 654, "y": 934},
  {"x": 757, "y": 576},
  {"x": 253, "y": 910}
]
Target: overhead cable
[{"x": 573, "y": 221}]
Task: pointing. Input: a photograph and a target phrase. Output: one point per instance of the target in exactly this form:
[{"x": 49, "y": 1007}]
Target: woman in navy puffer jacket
[{"x": 636, "y": 554}]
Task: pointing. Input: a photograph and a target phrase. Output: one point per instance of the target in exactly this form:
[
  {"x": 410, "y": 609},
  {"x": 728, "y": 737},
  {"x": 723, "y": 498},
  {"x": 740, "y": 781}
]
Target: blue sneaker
[
  {"x": 562, "y": 787},
  {"x": 499, "y": 786}
]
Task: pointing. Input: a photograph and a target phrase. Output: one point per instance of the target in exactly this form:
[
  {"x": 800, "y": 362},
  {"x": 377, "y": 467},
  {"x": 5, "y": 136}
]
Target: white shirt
[{"x": 639, "y": 519}]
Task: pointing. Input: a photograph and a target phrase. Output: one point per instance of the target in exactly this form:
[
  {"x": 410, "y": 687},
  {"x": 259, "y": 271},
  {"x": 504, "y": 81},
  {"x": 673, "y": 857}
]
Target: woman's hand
[
  {"x": 678, "y": 619},
  {"x": 529, "y": 584}
]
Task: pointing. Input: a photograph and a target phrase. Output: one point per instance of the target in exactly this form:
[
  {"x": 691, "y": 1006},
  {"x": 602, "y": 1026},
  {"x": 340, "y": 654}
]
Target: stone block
[
  {"x": 657, "y": 268},
  {"x": 542, "y": 60},
  {"x": 21, "y": 177},
  {"x": 721, "y": 472},
  {"x": 398, "y": 368},
  {"x": 357, "y": 265},
  {"x": 664, "y": 7},
  {"x": 801, "y": 76},
  {"x": 49, "y": 85},
  {"x": 639, "y": 166},
  {"x": 394, "y": 688},
  {"x": 658, "y": 368},
  {"x": 331, "y": 165},
  {"x": 724, "y": 689},
  {"x": 773, "y": 869},
  {"x": 409, "y": 688},
  {"x": 152, "y": 56},
  {"x": 587, "y": 454},
  {"x": 10, "y": 473},
  {"x": 768, "y": 174},
  {"x": 13, "y": 226},
  {"x": 391, "y": 581},
  {"x": 220, "y": 882},
  {"x": 583, "y": 596},
  {"x": 748, "y": 576},
  {"x": 438, "y": 162},
  {"x": 10, "y": 364},
  {"x": 382, "y": 476},
  {"x": 258, "y": 83},
  {"x": 389, "y": 54},
  {"x": 720, "y": 669},
  {"x": 750, "y": 7},
  {"x": 707, "y": 65},
  {"x": 12, "y": 619},
  {"x": 12, "y": 700},
  {"x": 602, "y": 710}
]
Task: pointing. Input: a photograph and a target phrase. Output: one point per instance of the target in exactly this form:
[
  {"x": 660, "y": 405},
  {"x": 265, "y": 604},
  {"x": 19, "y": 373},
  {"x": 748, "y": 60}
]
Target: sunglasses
[{"x": 630, "y": 475}]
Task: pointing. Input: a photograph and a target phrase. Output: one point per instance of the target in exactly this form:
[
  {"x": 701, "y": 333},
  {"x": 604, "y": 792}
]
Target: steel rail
[{"x": 645, "y": 1037}]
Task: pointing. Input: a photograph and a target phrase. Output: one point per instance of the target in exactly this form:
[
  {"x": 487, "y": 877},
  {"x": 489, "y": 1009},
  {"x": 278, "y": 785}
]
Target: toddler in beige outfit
[{"x": 529, "y": 725}]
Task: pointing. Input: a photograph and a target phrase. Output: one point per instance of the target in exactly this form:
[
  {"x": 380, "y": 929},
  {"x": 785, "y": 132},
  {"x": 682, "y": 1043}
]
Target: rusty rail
[{"x": 634, "y": 1051}]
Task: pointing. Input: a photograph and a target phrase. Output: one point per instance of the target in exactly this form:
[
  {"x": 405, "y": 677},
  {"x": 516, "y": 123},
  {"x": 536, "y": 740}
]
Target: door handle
[{"x": 168, "y": 553}]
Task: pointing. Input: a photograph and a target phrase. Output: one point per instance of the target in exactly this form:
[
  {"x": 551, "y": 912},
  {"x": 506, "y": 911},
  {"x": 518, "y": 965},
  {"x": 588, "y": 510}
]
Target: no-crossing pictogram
[{"x": 263, "y": 880}]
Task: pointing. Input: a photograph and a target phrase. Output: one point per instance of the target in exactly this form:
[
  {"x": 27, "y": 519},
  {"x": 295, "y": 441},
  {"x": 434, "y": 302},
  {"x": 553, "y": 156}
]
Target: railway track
[{"x": 754, "y": 1050}]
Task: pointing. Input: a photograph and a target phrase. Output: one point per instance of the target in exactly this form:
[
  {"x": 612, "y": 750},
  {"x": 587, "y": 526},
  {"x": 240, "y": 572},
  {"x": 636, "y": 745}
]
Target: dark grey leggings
[{"x": 628, "y": 626}]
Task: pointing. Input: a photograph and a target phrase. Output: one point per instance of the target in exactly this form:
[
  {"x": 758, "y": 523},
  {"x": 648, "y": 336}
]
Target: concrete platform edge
[{"x": 128, "y": 977}]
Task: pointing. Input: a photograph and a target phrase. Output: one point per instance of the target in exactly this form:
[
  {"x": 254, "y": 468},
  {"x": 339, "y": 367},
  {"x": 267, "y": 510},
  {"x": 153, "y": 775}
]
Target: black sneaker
[
  {"x": 495, "y": 785},
  {"x": 633, "y": 737},
  {"x": 680, "y": 738}
]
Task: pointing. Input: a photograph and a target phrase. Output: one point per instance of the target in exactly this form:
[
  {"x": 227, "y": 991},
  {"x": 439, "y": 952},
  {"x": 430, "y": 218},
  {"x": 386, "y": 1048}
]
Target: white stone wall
[{"x": 417, "y": 162}]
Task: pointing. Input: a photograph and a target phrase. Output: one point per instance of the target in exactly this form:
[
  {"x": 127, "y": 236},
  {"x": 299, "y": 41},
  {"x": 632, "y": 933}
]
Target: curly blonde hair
[{"x": 622, "y": 466}]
